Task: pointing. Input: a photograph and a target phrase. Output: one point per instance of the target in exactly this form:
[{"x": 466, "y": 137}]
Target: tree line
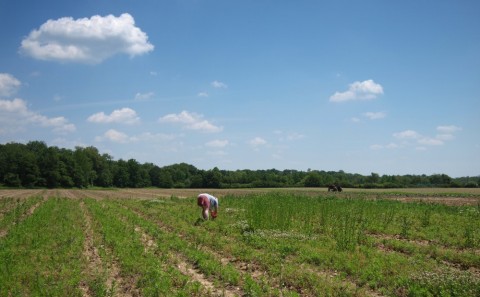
[{"x": 35, "y": 165}]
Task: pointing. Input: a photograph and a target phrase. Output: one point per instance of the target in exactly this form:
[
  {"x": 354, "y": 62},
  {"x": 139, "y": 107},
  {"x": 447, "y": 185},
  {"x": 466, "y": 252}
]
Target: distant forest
[{"x": 36, "y": 165}]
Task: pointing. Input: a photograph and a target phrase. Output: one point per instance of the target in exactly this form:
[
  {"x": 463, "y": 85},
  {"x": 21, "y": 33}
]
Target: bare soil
[
  {"x": 187, "y": 269},
  {"x": 115, "y": 283}
]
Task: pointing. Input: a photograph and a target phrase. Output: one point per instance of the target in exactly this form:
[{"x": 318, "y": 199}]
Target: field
[{"x": 265, "y": 242}]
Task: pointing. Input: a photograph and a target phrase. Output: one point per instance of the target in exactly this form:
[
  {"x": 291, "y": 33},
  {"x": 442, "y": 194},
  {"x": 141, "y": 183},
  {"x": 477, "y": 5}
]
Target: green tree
[
  {"x": 19, "y": 166},
  {"x": 165, "y": 179},
  {"x": 313, "y": 180},
  {"x": 121, "y": 177},
  {"x": 212, "y": 178}
]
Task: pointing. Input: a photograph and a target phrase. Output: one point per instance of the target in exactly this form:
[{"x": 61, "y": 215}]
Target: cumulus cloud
[
  {"x": 257, "y": 142},
  {"x": 376, "y": 147},
  {"x": 8, "y": 84},
  {"x": 365, "y": 90},
  {"x": 391, "y": 145},
  {"x": 121, "y": 137},
  {"x": 446, "y": 133},
  {"x": 15, "y": 116},
  {"x": 114, "y": 136},
  {"x": 202, "y": 94},
  {"x": 407, "y": 134},
  {"x": 448, "y": 129},
  {"x": 86, "y": 40},
  {"x": 218, "y": 84},
  {"x": 144, "y": 96},
  {"x": 125, "y": 116},
  {"x": 409, "y": 137},
  {"x": 375, "y": 115},
  {"x": 191, "y": 121},
  {"x": 430, "y": 141}
]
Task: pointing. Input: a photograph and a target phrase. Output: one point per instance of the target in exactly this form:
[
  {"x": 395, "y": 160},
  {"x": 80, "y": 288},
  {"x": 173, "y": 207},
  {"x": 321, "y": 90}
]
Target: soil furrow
[
  {"x": 186, "y": 269},
  {"x": 90, "y": 252},
  {"x": 115, "y": 283},
  {"x": 28, "y": 213},
  {"x": 252, "y": 269},
  {"x": 425, "y": 243}
]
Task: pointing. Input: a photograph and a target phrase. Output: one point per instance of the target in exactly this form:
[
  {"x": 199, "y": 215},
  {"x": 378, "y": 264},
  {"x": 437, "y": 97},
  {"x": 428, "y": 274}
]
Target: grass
[
  {"x": 40, "y": 256},
  {"x": 279, "y": 243}
]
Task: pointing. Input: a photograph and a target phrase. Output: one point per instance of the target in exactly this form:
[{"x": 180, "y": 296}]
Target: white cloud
[
  {"x": 219, "y": 85},
  {"x": 391, "y": 145},
  {"x": 407, "y": 134},
  {"x": 144, "y": 96},
  {"x": 15, "y": 106},
  {"x": 257, "y": 141},
  {"x": 202, "y": 94},
  {"x": 15, "y": 116},
  {"x": 217, "y": 143},
  {"x": 289, "y": 136},
  {"x": 125, "y": 116},
  {"x": 376, "y": 147},
  {"x": 430, "y": 141},
  {"x": 57, "y": 98},
  {"x": 365, "y": 90},
  {"x": 375, "y": 115},
  {"x": 115, "y": 136},
  {"x": 86, "y": 40},
  {"x": 8, "y": 84},
  {"x": 448, "y": 129},
  {"x": 445, "y": 137},
  {"x": 191, "y": 121},
  {"x": 120, "y": 137},
  {"x": 446, "y": 134}
]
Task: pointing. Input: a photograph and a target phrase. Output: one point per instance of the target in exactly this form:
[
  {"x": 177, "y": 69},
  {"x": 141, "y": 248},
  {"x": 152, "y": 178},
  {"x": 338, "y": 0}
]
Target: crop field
[{"x": 265, "y": 242}]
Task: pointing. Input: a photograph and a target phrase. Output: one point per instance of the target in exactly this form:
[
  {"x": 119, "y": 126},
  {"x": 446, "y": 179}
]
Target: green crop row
[
  {"x": 207, "y": 263},
  {"x": 40, "y": 256},
  {"x": 150, "y": 272},
  {"x": 328, "y": 235},
  {"x": 273, "y": 244},
  {"x": 276, "y": 277},
  {"x": 14, "y": 210}
]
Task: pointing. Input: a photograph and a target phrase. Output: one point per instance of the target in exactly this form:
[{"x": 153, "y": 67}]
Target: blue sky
[{"x": 390, "y": 87}]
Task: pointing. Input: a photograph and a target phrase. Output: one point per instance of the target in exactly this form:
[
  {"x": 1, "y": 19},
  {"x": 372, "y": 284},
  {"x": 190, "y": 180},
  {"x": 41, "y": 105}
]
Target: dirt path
[
  {"x": 19, "y": 193},
  {"x": 187, "y": 269},
  {"x": 115, "y": 283}
]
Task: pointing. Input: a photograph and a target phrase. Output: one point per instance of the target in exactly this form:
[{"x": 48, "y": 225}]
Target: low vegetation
[{"x": 265, "y": 243}]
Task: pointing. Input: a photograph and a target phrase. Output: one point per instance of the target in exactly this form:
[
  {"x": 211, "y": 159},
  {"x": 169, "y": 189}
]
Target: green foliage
[
  {"x": 40, "y": 256},
  {"x": 37, "y": 165},
  {"x": 444, "y": 283},
  {"x": 275, "y": 244}
]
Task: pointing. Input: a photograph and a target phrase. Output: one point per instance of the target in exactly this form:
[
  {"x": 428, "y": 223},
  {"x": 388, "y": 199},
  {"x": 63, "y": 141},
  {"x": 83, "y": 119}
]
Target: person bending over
[{"x": 209, "y": 204}]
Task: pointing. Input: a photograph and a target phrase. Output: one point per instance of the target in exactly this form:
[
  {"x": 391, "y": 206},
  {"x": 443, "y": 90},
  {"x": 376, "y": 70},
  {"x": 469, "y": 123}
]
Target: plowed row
[{"x": 149, "y": 242}]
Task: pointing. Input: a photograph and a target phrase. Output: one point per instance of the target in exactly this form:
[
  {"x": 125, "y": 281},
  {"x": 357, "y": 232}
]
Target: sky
[{"x": 373, "y": 86}]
